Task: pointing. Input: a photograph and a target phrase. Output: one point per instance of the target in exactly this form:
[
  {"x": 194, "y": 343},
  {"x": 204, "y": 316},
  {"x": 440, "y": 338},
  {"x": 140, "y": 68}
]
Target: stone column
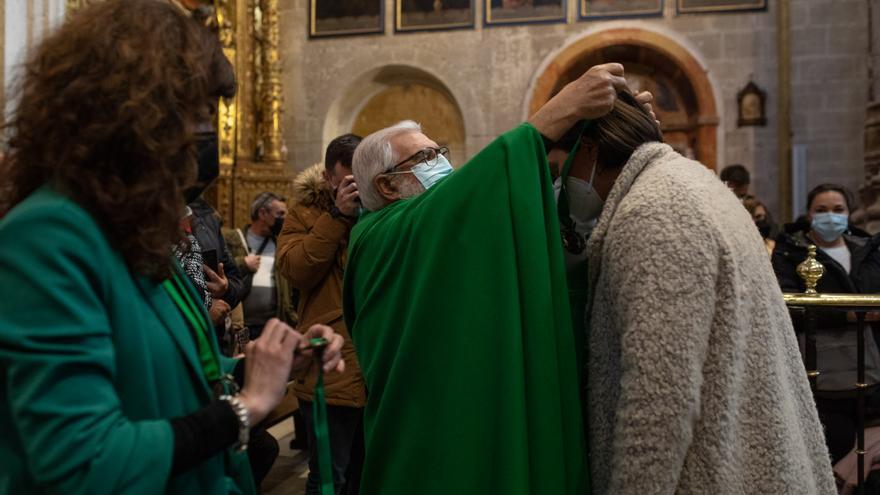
[
  {"x": 783, "y": 26},
  {"x": 868, "y": 215}
]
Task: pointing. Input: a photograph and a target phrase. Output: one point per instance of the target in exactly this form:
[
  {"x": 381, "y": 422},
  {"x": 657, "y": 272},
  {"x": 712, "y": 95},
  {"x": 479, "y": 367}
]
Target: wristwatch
[{"x": 244, "y": 421}]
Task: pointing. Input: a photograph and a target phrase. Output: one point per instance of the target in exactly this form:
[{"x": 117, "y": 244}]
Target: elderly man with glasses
[{"x": 456, "y": 298}]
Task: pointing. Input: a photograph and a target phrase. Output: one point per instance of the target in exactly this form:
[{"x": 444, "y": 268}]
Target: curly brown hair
[{"x": 106, "y": 109}]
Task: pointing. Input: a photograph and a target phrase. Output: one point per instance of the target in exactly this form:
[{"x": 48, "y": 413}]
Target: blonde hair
[{"x": 618, "y": 134}]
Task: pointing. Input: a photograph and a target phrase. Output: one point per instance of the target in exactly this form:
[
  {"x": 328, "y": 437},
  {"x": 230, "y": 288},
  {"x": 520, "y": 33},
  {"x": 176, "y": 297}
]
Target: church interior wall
[
  {"x": 488, "y": 71},
  {"x": 830, "y": 56}
]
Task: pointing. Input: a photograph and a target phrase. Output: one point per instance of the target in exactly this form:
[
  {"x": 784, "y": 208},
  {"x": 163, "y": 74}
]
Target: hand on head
[
  {"x": 589, "y": 97},
  {"x": 645, "y": 98},
  {"x": 593, "y": 94}
]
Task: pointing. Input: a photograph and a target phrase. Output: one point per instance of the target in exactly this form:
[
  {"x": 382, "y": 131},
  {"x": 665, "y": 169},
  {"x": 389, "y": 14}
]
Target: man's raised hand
[{"x": 588, "y": 97}]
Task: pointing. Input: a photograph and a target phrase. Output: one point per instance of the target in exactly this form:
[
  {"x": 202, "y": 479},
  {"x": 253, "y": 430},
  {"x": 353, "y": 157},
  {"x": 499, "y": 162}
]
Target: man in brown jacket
[{"x": 311, "y": 253}]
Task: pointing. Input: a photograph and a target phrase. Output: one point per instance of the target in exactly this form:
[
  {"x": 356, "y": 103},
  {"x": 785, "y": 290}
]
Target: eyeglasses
[{"x": 427, "y": 156}]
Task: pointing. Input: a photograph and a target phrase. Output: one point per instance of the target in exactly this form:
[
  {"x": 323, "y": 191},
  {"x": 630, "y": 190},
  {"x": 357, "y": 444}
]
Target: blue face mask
[
  {"x": 431, "y": 172},
  {"x": 829, "y": 226}
]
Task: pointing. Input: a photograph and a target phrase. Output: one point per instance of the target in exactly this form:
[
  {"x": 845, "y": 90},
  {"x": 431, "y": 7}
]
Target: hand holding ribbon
[{"x": 332, "y": 352}]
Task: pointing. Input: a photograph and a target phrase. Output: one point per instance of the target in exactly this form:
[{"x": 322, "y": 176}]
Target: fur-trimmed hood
[{"x": 310, "y": 188}]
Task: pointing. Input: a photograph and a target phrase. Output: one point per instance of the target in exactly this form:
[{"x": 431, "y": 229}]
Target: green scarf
[{"x": 458, "y": 306}]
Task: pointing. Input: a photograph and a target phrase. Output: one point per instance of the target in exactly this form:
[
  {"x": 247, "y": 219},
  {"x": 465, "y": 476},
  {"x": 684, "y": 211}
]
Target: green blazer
[{"x": 93, "y": 364}]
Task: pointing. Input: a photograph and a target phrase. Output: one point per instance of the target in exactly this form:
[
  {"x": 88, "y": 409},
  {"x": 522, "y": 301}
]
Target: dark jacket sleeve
[
  {"x": 785, "y": 269},
  {"x": 202, "y": 434},
  {"x": 236, "y": 290},
  {"x": 206, "y": 228}
]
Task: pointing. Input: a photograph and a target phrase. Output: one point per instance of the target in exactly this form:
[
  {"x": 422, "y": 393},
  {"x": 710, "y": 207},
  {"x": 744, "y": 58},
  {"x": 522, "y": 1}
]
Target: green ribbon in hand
[{"x": 319, "y": 412}]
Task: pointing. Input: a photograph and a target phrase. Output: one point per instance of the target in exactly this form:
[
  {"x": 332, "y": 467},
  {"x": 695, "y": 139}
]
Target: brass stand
[{"x": 810, "y": 302}]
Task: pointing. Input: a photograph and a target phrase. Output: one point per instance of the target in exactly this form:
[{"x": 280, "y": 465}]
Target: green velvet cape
[{"x": 458, "y": 305}]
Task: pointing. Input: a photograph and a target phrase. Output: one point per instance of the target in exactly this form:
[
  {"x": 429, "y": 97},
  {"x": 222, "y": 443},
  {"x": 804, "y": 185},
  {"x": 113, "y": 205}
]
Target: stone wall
[
  {"x": 830, "y": 87},
  {"x": 490, "y": 72}
]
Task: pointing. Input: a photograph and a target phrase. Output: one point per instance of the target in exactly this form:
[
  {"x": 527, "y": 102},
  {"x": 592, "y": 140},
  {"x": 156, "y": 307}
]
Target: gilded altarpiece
[{"x": 248, "y": 125}]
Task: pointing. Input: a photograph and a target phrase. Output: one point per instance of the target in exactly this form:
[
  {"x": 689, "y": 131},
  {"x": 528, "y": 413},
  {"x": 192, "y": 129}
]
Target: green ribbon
[
  {"x": 562, "y": 208},
  {"x": 576, "y": 275},
  {"x": 322, "y": 432},
  {"x": 198, "y": 325}
]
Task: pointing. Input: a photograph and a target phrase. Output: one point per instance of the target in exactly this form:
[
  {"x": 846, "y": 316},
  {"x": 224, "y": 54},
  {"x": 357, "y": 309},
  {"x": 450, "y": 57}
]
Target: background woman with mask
[
  {"x": 112, "y": 382},
  {"x": 852, "y": 265}
]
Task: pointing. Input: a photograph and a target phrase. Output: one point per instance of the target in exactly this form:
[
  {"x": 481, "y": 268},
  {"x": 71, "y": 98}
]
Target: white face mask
[
  {"x": 584, "y": 203},
  {"x": 431, "y": 172}
]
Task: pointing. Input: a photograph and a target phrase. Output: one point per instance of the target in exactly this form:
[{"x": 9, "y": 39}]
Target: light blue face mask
[
  {"x": 830, "y": 226},
  {"x": 429, "y": 173}
]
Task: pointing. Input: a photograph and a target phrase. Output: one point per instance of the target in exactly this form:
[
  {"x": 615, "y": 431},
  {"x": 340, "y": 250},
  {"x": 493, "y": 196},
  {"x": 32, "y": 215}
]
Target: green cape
[{"x": 458, "y": 306}]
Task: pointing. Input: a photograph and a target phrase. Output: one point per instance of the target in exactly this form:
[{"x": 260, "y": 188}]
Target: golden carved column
[
  {"x": 271, "y": 87},
  {"x": 227, "y": 111},
  {"x": 72, "y": 5},
  {"x": 246, "y": 76},
  {"x": 260, "y": 160}
]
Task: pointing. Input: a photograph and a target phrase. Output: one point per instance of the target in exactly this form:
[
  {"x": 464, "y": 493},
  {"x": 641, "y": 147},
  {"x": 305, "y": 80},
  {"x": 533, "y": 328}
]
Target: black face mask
[
  {"x": 763, "y": 228},
  {"x": 276, "y": 226},
  {"x": 208, "y": 157}
]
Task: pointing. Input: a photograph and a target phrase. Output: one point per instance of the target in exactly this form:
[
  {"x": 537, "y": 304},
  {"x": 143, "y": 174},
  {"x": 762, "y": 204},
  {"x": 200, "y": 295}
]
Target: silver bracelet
[{"x": 244, "y": 421}]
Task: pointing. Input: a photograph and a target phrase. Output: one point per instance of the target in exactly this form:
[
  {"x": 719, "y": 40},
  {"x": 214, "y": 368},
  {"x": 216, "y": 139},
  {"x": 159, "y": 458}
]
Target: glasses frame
[{"x": 443, "y": 150}]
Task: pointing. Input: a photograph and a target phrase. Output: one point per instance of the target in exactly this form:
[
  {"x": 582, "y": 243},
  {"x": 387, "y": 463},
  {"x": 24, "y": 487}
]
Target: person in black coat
[
  {"x": 852, "y": 266},
  {"x": 206, "y": 225}
]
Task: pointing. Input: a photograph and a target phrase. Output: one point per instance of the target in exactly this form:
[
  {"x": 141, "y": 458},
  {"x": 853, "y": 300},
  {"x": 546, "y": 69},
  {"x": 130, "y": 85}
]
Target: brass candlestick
[{"x": 811, "y": 270}]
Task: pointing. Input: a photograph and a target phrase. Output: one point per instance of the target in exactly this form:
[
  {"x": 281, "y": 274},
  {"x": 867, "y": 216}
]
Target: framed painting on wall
[
  {"x": 423, "y": 15},
  {"x": 697, "y": 6},
  {"x": 500, "y": 12},
  {"x": 605, "y": 9},
  {"x": 335, "y": 18}
]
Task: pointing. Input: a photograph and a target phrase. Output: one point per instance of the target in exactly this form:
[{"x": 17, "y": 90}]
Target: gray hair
[
  {"x": 375, "y": 156},
  {"x": 263, "y": 200}
]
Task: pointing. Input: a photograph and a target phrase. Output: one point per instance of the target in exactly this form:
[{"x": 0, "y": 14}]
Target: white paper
[{"x": 263, "y": 277}]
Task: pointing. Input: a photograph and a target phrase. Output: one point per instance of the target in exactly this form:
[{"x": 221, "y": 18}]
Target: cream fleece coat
[{"x": 695, "y": 381}]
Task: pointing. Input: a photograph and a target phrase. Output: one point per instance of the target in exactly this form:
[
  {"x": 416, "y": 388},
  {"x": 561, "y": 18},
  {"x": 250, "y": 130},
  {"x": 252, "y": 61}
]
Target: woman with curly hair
[{"x": 110, "y": 377}]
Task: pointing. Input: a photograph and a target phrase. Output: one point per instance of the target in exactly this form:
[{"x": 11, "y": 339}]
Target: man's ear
[
  {"x": 327, "y": 177},
  {"x": 386, "y": 188}
]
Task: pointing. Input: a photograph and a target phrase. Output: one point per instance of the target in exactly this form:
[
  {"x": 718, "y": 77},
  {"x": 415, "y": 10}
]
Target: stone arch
[
  {"x": 650, "y": 55},
  {"x": 388, "y": 94}
]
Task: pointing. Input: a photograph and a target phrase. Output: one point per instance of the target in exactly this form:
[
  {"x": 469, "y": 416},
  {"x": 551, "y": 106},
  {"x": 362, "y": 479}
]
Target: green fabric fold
[{"x": 458, "y": 305}]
